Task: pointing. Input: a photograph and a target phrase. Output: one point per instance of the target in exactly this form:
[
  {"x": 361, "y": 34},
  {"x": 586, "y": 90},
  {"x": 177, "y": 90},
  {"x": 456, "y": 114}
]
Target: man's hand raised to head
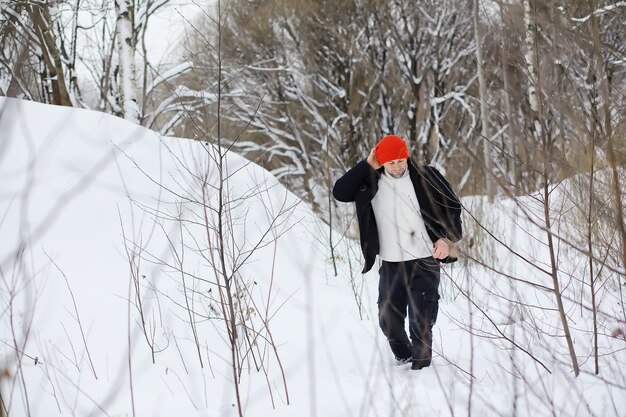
[{"x": 373, "y": 160}]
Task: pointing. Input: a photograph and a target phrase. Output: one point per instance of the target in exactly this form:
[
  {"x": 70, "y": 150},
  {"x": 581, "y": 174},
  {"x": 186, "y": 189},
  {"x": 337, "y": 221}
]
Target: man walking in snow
[{"x": 410, "y": 217}]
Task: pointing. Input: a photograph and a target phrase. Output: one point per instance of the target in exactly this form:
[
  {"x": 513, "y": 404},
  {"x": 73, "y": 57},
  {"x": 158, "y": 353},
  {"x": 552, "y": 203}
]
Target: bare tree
[
  {"x": 33, "y": 28},
  {"x": 484, "y": 117}
]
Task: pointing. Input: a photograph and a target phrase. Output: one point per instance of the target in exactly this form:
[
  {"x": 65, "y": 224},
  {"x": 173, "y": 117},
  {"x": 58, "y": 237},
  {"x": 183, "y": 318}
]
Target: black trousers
[{"x": 412, "y": 286}]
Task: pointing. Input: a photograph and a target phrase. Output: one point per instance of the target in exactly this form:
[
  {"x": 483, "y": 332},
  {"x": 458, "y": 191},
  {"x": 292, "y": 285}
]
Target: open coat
[{"x": 439, "y": 206}]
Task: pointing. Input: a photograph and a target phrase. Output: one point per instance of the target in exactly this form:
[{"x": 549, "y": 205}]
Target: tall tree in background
[
  {"x": 34, "y": 54},
  {"x": 49, "y": 35},
  {"x": 137, "y": 96},
  {"x": 126, "y": 41},
  {"x": 484, "y": 115}
]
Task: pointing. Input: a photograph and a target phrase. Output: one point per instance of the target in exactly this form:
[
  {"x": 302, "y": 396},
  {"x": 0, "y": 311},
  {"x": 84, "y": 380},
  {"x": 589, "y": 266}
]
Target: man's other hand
[{"x": 441, "y": 249}]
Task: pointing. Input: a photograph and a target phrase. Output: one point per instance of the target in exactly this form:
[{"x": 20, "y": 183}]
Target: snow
[
  {"x": 600, "y": 11},
  {"x": 171, "y": 73},
  {"x": 74, "y": 183}
]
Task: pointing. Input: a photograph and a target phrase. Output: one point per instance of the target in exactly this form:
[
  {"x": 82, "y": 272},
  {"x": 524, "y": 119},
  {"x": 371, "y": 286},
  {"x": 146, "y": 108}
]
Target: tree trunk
[
  {"x": 16, "y": 85},
  {"x": 126, "y": 52},
  {"x": 55, "y": 80},
  {"x": 530, "y": 57},
  {"x": 484, "y": 117},
  {"x": 518, "y": 154}
]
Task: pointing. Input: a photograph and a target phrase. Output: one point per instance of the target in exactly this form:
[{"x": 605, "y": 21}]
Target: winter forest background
[{"x": 521, "y": 103}]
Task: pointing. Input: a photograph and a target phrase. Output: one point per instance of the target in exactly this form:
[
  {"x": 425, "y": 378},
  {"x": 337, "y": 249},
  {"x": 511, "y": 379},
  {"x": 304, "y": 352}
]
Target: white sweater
[{"x": 401, "y": 230}]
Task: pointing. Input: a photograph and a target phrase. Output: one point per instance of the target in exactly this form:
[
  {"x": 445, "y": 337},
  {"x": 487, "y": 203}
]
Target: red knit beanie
[{"x": 391, "y": 147}]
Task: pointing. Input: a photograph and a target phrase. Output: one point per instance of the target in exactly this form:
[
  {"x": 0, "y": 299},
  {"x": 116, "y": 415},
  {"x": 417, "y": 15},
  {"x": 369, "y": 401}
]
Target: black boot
[
  {"x": 418, "y": 364},
  {"x": 401, "y": 349}
]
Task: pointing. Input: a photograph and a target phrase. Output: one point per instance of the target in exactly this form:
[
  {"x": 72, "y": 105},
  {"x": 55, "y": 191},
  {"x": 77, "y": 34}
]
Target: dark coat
[{"x": 439, "y": 206}]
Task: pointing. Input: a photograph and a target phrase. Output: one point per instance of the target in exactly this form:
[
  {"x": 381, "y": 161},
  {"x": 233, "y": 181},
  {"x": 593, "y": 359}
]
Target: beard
[{"x": 396, "y": 173}]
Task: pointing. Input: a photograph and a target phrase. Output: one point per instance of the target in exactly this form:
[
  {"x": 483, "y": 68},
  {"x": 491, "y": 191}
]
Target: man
[{"x": 410, "y": 217}]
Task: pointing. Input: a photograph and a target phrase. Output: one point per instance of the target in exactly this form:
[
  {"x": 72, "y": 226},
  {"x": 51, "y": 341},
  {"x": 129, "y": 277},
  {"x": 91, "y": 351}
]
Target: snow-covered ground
[{"x": 97, "y": 213}]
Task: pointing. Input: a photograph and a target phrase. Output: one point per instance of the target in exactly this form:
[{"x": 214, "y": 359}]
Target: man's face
[{"x": 396, "y": 167}]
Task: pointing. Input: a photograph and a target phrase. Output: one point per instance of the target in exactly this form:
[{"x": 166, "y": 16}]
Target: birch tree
[{"x": 126, "y": 50}]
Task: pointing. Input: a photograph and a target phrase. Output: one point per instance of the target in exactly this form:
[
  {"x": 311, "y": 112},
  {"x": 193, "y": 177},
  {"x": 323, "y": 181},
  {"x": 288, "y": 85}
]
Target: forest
[{"x": 504, "y": 95}]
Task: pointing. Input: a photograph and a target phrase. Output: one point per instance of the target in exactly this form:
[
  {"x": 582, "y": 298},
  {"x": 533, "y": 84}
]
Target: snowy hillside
[{"x": 114, "y": 240}]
